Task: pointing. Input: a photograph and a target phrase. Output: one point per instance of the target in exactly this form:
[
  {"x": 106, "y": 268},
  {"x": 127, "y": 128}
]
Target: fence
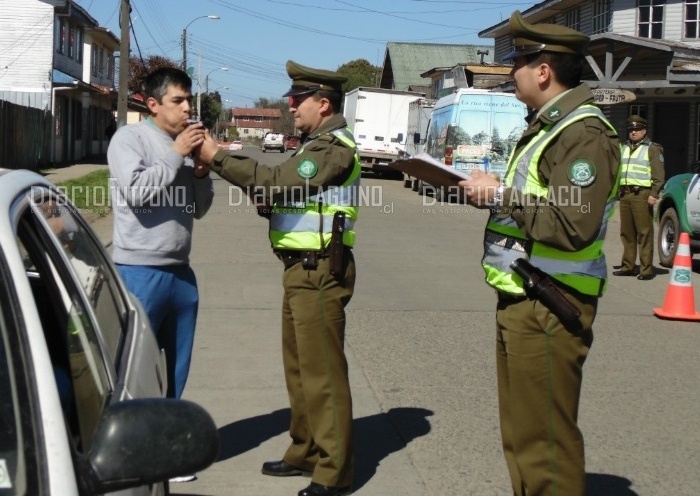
[{"x": 25, "y": 139}]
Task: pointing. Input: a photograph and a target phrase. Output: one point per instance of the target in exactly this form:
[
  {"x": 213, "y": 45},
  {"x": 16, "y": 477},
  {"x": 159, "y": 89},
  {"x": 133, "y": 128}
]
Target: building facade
[{"x": 56, "y": 59}]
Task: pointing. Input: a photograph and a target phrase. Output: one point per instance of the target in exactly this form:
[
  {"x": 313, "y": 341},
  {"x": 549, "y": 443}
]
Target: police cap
[
  {"x": 636, "y": 122},
  {"x": 307, "y": 80},
  {"x": 534, "y": 38}
]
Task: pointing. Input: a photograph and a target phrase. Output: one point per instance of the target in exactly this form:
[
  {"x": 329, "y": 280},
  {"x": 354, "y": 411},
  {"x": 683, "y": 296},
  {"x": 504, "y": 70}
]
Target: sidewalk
[{"x": 69, "y": 172}]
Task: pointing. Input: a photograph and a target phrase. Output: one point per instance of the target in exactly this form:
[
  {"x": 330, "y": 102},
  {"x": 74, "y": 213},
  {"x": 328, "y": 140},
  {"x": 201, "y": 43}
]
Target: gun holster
[
  {"x": 336, "y": 248},
  {"x": 540, "y": 286}
]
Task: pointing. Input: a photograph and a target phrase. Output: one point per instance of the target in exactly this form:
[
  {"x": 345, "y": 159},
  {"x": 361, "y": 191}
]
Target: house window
[
  {"x": 692, "y": 19},
  {"x": 601, "y": 16},
  {"x": 71, "y": 42},
  {"x": 79, "y": 44},
  {"x": 651, "y": 18},
  {"x": 244, "y": 118},
  {"x": 61, "y": 36},
  {"x": 93, "y": 59},
  {"x": 640, "y": 110},
  {"x": 572, "y": 19},
  {"x": 258, "y": 119}
]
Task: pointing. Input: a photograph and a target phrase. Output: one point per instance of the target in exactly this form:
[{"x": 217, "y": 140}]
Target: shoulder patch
[
  {"x": 581, "y": 172},
  {"x": 307, "y": 168},
  {"x": 661, "y": 158}
]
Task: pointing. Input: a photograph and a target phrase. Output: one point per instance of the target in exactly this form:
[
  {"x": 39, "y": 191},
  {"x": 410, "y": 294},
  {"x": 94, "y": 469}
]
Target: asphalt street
[{"x": 421, "y": 348}]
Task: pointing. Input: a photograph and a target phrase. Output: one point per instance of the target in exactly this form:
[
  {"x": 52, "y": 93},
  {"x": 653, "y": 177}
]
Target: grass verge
[{"x": 89, "y": 193}]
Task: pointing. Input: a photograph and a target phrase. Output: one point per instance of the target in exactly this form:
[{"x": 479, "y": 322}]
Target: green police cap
[
  {"x": 307, "y": 80},
  {"x": 534, "y": 38},
  {"x": 636, "y": 122}
]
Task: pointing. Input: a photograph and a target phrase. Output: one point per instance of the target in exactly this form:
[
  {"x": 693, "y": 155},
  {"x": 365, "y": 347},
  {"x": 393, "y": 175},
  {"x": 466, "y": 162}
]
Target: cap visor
[
  {"x": 300, "y": 90},
  {"x": 522, "y": 51}
]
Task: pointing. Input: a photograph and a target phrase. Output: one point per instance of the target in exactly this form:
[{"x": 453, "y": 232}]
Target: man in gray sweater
[{"x": 157, "y": 192}]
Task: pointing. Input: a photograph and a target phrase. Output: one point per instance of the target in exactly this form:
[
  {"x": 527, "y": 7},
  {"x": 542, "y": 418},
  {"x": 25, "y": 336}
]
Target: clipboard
[{"x": 429, "y": 170}]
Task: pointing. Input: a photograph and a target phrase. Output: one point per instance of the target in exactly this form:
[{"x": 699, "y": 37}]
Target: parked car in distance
[
  {"x": 235, "y": 145},
  {"x": 291, "y": 142},
  {"x": 82, "y": 410},
  {"x": 273, "y": 141},
  {"x": 678, "y": 210}
]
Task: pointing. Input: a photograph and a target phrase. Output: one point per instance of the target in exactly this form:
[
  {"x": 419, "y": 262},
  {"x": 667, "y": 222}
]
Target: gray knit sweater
[{"x": 155, "y": 197}]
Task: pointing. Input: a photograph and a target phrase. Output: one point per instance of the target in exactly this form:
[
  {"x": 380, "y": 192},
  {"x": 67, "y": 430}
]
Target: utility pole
[{"x": 123, "y": 95}]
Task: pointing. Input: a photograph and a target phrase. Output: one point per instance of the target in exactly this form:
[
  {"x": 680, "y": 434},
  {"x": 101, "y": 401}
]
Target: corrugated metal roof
[{"x": 405, "y": 62}]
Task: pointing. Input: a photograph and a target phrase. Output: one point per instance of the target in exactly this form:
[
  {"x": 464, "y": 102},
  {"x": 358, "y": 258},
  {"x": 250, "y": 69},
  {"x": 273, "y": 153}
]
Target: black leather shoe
[
  {"x": 624, "y": 273},
  {"x": 319, "y": 490},
  {"x": 645, "y": 277},
  {"x": 281, "y": 468}
]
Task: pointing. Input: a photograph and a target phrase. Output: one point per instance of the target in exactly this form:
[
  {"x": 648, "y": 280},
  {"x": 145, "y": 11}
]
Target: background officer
[
  {"x": 314, "y": 207},
  {"x": 641, "y": 180},
  {"x": 568, "y": 146}
]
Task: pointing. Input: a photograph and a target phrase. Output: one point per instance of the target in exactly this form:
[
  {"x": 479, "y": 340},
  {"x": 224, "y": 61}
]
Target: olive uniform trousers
[
  {"x": 637, "y": 228},
  {"x": 316, "y": 371},
  {"x": 539, "y": 367}
]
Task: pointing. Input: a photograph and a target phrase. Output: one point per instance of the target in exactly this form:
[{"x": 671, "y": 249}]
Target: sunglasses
[{"x": 296, "y": 100}]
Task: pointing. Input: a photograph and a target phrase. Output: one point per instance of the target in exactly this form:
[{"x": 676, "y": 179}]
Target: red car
[{"x": 291, "y": 142}]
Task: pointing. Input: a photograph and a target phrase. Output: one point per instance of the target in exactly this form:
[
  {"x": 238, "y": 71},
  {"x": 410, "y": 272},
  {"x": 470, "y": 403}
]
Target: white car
[
  {"x": 82, "y": 379},
  {"x": 236, "y": 145}
]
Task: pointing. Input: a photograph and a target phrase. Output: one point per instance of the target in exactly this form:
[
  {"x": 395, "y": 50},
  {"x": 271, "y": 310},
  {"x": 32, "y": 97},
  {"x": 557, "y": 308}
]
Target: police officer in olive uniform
[
  {"x": 314, "y": 207},
  {"x": 641, "y": 180},
  {"x": 543, "y": 254}
]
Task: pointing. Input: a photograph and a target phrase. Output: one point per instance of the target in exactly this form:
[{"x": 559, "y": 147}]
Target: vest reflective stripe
[
  {"x": 308, "y": 225},
  {"x": 636, "y": 166},
  {"x": 584, "y": 270}
]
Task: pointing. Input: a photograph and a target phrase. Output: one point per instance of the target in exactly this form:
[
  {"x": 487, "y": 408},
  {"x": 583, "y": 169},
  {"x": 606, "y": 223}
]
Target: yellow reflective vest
[
  {"x": 584, "y": 270},
  {"x": 636, "y": 166},
  {"x": 307, "y": 224}
]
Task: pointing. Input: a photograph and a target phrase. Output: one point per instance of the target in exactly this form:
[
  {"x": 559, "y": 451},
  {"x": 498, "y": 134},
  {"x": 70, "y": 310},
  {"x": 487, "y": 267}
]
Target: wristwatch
[{"x": 498, "y": 195}]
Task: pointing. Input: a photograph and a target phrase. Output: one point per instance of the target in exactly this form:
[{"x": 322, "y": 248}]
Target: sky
[{"x": 253, "y": 39}]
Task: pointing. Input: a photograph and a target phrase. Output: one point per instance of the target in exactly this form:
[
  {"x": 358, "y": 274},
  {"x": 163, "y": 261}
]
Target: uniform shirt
[
  {"x": 574, "y": 221},
  {"x": 658, "y": 172},
  {"x": 334, "y": 160}
]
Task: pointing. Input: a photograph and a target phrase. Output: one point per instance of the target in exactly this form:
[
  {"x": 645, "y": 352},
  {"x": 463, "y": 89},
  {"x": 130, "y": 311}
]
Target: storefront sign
[{"x": 605, "y": 96}]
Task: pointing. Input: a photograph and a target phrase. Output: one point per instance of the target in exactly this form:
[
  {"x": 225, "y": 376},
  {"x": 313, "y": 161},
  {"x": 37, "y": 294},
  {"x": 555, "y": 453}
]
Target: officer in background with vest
[
  {"x": 641, "y": 180},
  {"x": 548, "y": 221},
  {"x": 314, "y": 198}
]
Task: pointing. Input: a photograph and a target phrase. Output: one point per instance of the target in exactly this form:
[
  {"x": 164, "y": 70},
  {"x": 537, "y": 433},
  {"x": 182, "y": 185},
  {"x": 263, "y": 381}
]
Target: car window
[
  {"x": 73, "y": 298},
  {"x": 91, "y": 266}
]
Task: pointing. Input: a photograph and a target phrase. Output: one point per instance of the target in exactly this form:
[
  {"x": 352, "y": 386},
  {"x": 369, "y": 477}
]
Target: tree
[
  {"x": 139, "y": 68},
  {"x": 359, "y": 73},
  {"x": 211, "y": 109}
]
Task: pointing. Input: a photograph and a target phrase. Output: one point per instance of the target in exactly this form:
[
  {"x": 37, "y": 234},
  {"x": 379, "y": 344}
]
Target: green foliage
[
  {"x": 359, "y": 73},
  {"x": 89, "y": 193},
  {"x": 211, "y": 109}
]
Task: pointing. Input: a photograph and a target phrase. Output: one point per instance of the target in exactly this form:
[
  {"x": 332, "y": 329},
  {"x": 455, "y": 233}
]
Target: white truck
[
  {"x": 419, "y": 112},
  {"x": 273, "y": 141},
  {"x": 378, "y": 118},
  {"x": 474, "y": 129}
]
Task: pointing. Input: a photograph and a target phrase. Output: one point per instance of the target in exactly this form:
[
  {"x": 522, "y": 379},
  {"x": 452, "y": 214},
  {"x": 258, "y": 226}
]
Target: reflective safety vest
[
  {"x": 636, "y": 166},
  {"x": 584, "y": 270},
  {"x": 307, "y": 224}
]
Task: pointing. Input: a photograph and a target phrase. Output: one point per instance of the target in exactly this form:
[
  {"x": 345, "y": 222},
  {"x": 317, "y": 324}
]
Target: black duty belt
[
  {"x": 293, "y": 257},
  {"x": 510, "y": 298},
  {"x": 625, "y": 190}
]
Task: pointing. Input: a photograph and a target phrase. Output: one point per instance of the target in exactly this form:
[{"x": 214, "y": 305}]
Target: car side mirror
[
  {"x": 145, "y": 441},
  {"x": 416, "y": 138}
]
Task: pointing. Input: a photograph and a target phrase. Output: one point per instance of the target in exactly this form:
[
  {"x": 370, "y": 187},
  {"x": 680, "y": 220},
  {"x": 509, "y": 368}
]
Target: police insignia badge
[
  {"x": 581, "y": 173},
  {"x": 307, "y": 169},
  {"x": 554, "y": 113}
]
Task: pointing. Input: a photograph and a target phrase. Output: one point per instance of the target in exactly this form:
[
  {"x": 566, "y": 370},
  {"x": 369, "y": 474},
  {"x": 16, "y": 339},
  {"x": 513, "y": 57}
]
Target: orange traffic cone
[{"x": 680, "y": 297}]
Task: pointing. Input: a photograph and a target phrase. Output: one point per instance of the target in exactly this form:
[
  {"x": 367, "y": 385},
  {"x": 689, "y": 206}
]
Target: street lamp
[
  {"x": 206, "y": 79},
  {"x": 184, "y": 38}
]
